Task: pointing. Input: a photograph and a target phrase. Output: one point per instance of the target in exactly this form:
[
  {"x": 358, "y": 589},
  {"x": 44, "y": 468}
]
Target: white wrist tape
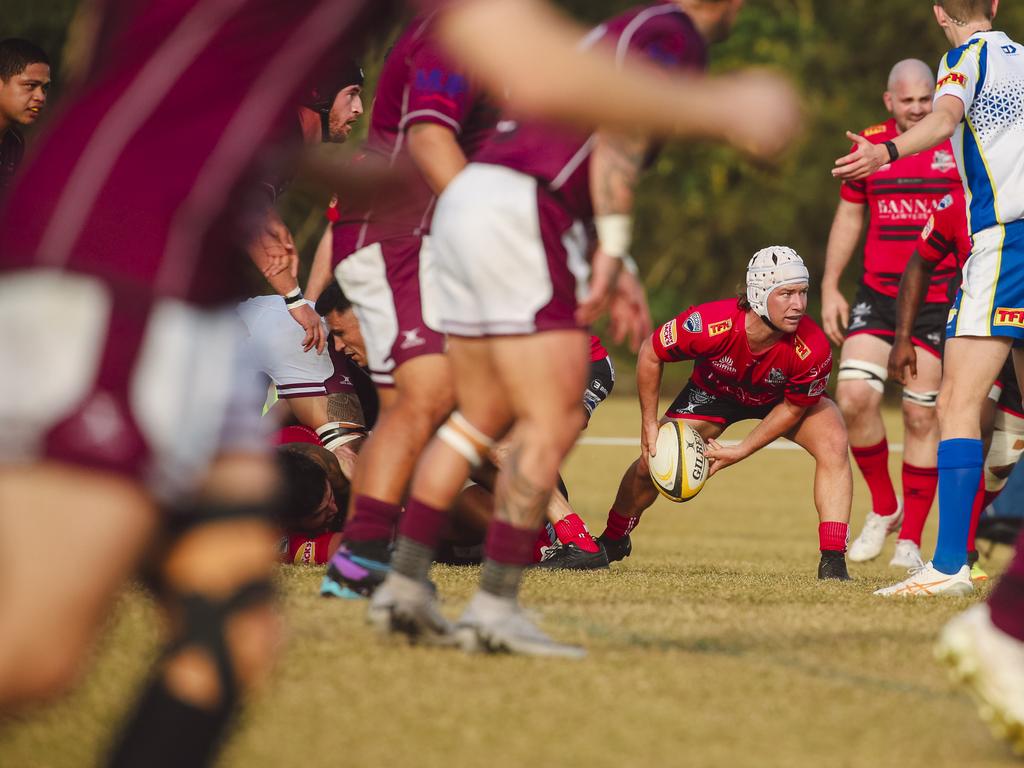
[
  {"x": 335, "y": 434},
  {"x": 614, "y": 233}
]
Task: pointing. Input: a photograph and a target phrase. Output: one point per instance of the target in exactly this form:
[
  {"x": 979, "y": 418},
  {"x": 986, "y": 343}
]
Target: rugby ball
[{"x": 679, "y": 467}]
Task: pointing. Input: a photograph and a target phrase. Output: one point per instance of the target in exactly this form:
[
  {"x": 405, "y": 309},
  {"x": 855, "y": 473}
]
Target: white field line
[{"x": 779, "y": 445}]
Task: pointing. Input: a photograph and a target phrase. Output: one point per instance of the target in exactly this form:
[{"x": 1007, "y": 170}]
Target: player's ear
[
  {"x": 887, "y": 98},
  {"x": 940, "y": 14}
]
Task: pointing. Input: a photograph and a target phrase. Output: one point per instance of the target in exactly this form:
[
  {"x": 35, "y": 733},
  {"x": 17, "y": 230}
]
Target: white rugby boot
[
  {"x": 492, "y": 624},
  {"x": 401, "y": 605},
  {"x": 868, "y": 545},
  {"x": 925, "y": 581},
  {"x": 990, "y": 665},
  {"x": 907, "y": 555}
]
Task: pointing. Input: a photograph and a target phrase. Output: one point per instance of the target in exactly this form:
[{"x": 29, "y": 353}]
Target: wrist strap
[
  {"x": 894, "y": 152},
  {"x": 293, "y": 298}
]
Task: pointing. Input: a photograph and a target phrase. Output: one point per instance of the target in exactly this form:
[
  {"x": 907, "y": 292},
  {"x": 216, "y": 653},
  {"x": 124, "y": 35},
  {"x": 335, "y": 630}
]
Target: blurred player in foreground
[
  {"x": 759, "y": 357},
  {"x": 142, "y": 408},
  {"x": 24, "y": 81},
  {"x": 897, "y": 202},
  {"x": 984, "y": 645},
  {"x": 516, "y": 341}
]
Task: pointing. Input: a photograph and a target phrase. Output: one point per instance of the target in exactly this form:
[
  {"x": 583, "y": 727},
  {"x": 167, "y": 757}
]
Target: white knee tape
[
  {"x": 472, "y": 432},
  {"x": 860, "y": 370},
  {"x": 334, "y": 434},
  {"x": 465, "y": 439},
  {"x": 924, "y": 399},
  {"x": 1003, "y": 455}
]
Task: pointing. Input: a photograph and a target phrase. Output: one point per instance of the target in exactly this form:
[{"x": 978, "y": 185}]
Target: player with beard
[
  {"x": 24, "y": 81},
  {"x": 897, "y": 201},
  {"x": 510, "y": 235},
  {"x": 757, "y": 358},
  {"x": 96, "y": 441}
]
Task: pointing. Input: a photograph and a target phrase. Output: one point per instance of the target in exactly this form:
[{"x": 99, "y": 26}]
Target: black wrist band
[
  {"x": 291, "y": 301},
  {"x": 894, "y": 153}
]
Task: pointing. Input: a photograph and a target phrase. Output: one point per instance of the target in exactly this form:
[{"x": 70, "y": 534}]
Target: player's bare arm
[
  {"x": 435, "y": 150},
  {"x": 779, "y": 421},
  {"x": 320, "y": 275},
  {"x": 648, "y": 386},
  {"x": 842, "y": 242},
  {"x": 488, "y": 35},
  {"x": 913, "y": 287},
  {"x": 274, "y": 247},
  {"x": 929, "y": 132}
]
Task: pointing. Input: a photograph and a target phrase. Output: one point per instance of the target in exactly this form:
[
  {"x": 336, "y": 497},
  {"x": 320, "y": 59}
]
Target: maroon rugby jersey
[
  {"x": 12, "y": 148},
  {"x": 901, "y": 196},
  {"x": 714, "y": 335},
  {"x": 559, "y": 157},
  {"x": 141, "y": 179},
  {"x": 418, "y": 84}
]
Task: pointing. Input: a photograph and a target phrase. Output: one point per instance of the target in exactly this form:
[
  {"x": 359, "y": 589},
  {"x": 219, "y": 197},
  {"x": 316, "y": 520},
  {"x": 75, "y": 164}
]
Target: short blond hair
[{"x": 964, "y": 11}]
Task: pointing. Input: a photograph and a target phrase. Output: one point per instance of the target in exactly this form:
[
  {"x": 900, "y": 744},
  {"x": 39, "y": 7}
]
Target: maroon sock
[
  {"x": 509, "y": 545},
  {"x": 1007, "y": 600},
  {"x": 572, "y": 530},
  {"x": 423, "y": 523},
  {"x": 372, "y": 519},
  {"x": 976, "y": 508},
  {"x": 919, "y": 484},
  {"x": 619, "y": 526},
  {"x": 873, "y": 462},
  {"x": 990, "y": 496},
  {"x": 832, "y": 536}
]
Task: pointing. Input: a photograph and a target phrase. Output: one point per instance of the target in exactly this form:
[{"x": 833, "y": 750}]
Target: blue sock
[{"x": 960, "y": 462}]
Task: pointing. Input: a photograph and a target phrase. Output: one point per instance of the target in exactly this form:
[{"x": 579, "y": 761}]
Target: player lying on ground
[
  {"x": 897, "y": 202},
  {"x": 758, "y": 357}
]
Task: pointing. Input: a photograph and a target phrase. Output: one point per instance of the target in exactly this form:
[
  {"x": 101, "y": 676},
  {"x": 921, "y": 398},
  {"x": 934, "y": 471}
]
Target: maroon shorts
[
  {"x": 387, "y": 283},
  {"x": 153, "y": 390}
]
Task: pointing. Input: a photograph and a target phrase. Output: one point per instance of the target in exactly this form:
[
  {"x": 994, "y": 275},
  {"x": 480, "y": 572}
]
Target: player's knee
[
  {"x": 919, "y": 413},
  {"x": 467, "y": 439},
  {"x": 860, "y": 385}
]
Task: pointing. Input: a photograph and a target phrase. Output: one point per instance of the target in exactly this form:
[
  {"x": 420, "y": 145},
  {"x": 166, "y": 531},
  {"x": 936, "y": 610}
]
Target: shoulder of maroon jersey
[
  {"x": 651, "y": 27},
  {"x": 881, "y": 132}
]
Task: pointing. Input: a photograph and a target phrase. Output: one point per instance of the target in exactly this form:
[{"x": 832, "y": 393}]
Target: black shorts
[
  {"x": 874, "y": 313},
  {"x": 1009, "y": 391},
  {"x": 696, "y": 404},
  {"x": 599, "y": 386}
]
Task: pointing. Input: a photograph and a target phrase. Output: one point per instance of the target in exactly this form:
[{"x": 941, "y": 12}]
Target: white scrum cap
[{"x": 771, "y": 268}]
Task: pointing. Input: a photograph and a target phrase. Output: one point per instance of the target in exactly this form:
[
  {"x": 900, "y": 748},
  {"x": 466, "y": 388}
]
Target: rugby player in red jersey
[
  {"x": 897, "y": 201},
  {"x": 759, "y": 357},
  {"x": 510, "y": 236},
  {"x": 190, "y": 92},
  {"x": 24, "y": 81}
]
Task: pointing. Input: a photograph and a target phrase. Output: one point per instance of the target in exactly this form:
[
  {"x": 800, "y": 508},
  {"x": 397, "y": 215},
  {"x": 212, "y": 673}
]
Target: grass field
[{"x": 713, "y": 645}]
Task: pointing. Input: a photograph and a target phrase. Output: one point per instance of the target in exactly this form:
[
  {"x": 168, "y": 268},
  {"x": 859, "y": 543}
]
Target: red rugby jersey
[
  {"x": 901, "y": 196},
  {"x": 714, "y": 335},
  {"x": 597, "y": 350},
  {"x": 305, "y": 549},
  {"x": 946, "y": 239}
]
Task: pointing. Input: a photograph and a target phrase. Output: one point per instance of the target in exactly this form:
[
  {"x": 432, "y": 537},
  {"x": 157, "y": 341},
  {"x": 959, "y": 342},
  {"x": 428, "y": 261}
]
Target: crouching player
[{"x": 759, "y": 357}]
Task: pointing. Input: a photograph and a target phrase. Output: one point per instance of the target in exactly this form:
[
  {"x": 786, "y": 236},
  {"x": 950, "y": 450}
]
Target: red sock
[
  {"x": 572, "y": 530},
  {"x": 543, "y": 541},
  {"x": 372, "y": 519},
  {"x": 979, "y": 505},
  {"x": 873, "y": 461},
  {"x": 619, "y": 526},
  {"x": 423, "y": 523},
  {"x": 832, "y": 536},
  {"x": 919, "y": 484}
]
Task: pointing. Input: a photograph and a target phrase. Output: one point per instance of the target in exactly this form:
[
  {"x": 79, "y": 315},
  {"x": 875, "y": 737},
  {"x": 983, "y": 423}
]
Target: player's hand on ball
[
  {"x": 865, "y": 159},
  {"x": 835, "y": 315},
  {"x": 722, "y": 456},
  {"x": 648, "y": 442},
  {"x": 901, "y": 357},
  {"x": 306, "y": 316},
  {"x": 768, "y": 117}
]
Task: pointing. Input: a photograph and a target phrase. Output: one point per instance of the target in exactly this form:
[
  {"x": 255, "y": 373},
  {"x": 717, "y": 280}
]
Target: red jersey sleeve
[
  {"x": 438, "y": 92},
  {"x": 690, "y": 335},
  {"x": 302, "y": 549},
  {"x": 812, "y": 356},
  {"x": 946, "y": 232}
]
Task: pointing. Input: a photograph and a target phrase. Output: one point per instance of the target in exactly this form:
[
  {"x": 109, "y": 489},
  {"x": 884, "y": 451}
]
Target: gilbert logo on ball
[{"x": 679, "y": 467}]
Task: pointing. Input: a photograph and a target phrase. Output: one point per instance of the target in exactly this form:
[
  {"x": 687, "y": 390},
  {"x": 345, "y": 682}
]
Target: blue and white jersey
[{"x": 987, "y": 75}]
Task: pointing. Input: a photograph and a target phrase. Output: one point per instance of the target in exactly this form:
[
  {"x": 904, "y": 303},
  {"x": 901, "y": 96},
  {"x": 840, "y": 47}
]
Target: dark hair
[
  {"x": 16, "y": 54},
  {"x": 303, "y": 486},
  {"x": 324, "y": 87},
  {"x": 964, "y": 11},
  {"x": 741, "y": 297},
  {"x": 333, "y": 299}
]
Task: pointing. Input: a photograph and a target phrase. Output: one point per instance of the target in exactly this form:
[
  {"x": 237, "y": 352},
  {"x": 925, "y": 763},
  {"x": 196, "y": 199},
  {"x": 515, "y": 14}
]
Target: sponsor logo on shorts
[
  {"x": 1009, "y": 316},
  {"x": 722, "y": 326},
  {"x": 817, "y": 387},
  {"x": 725, "y": 363},
  {"x": 776, "y": 377},
  {"x": 694, "y": 323},
  {"x": 412, "y": 339},
  {"x": 801, "y": 348},
  {"x": 934, "y": 338},
  {"x": 952, "y": 315},
  {"x": 928, "y": 227},
  {"x": 954, "y": 77},
  {"x": 668, "y": 333},
  {"x": 697, "y": 398},
  {"x": 859, "y": 315},
  {"x": 942, "y": 161}
]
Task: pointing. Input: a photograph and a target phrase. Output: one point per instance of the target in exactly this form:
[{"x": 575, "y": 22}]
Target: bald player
[{"x": 895, "y": 202}]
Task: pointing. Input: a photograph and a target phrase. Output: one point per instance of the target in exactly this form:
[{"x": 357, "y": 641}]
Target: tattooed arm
[{"x": 345, "y": 406}]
